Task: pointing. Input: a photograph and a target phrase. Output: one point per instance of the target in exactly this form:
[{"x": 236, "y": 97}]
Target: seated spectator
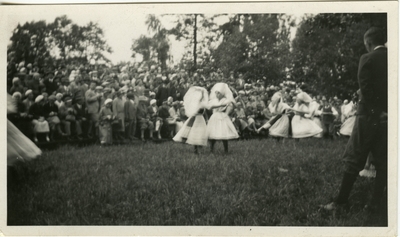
[
  {"x": 59, "y": 102},
  {"x": 17, "y": 86},
  {"x": 28, "y": 102},
  {"x": 153, "y": 113},
  {"x": 40, "y": 125},
  {"x": 63, "y": 112},
  {"x": 174, "y": 119},
  {"x": 182, "y": 113},
  {"x": 240, "y": 118},
  {"x": 51, "y": 115}
]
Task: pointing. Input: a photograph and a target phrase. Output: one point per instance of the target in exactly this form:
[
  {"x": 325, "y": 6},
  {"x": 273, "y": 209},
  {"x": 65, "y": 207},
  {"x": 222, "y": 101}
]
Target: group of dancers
[{"x": 197, "y": 132}]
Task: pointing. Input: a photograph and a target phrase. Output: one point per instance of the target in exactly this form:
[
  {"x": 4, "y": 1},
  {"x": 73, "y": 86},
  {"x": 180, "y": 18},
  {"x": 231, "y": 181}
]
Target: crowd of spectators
[{"x": 73, "y": 102}]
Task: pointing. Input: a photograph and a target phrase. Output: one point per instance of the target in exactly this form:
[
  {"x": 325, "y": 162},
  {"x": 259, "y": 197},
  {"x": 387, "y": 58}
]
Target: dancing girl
[
  {"x": 220, "y": 126},
  {"x": 194, "y": 130}
]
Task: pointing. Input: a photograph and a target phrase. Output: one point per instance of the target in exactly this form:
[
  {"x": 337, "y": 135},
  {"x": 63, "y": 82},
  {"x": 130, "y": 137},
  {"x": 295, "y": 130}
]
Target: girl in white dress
[
  {"x": 315, "y": 116},
  {"x": 279, "y": 124},
  {"x": 303, "y": 127},
  {"x": 194, "y": 130},
  {"x": 350, "y": 119},
  {"x": 220, "y": 126},
  {"x": 19, "y": 147}
]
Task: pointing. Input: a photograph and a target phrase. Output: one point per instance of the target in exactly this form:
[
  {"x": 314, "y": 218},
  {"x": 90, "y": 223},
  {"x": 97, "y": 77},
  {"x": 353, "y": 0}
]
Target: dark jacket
[{"x": 373, "y": 82}]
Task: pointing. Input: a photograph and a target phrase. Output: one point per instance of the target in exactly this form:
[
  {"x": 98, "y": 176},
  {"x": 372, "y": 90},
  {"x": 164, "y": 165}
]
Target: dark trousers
[
  {"x": 369, "y": 135},
  {"x": 328, "y": 129},
  {"x": 130, "y": 129}
]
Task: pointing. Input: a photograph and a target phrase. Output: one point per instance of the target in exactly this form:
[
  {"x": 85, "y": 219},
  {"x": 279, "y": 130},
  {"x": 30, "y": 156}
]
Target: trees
[
  {"x": 61, "y": 39},
  {"x": 156, "y": 47},
  {"x": 327, "y": 48},
  {"x": 255, "y": 44}
]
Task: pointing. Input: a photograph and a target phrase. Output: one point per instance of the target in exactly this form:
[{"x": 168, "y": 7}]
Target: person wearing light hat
[
  {"x": 59, "y": 100},
  {"x": 16, "y": 86},
  {"x": 28, "y": 101},
  {"x": 154, "y": 117},
  {"x": 106, "y": 118},
  {"x": 303, "y": 127},
  {"x": 40, "y": 125},
  {"x": 139, "y": 88}
]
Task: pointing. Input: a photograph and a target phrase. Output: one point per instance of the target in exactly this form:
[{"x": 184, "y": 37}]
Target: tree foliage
[
  {"x": 61, "y": 39},
  {"x": 327, "y": 48},
  {"x": 256, "y": 45},
  {"x": 155, "y": 48}
]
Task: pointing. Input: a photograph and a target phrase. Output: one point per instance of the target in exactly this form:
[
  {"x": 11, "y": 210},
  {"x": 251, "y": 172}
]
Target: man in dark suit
[{"x": 370, "y": 129}]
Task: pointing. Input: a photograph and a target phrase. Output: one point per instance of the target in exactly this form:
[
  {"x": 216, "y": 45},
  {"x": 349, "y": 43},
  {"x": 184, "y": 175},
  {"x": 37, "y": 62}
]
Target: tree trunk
[{"x": 195, "y": 43}]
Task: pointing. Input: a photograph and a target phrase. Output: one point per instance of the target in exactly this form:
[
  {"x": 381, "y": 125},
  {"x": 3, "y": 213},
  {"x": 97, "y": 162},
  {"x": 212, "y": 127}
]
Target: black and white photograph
[{"x": 185, "y": 115}]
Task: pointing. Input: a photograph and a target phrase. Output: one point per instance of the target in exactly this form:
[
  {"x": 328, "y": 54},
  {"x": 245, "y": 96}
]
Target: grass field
[{"x": 260, "y": 183}]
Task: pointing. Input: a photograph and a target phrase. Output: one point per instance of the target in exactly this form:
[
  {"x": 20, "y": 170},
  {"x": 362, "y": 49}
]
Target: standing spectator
[
  {"x": 143, "y": 117},
  {"x": 164, "y": 92},
  {"x": 118, "y": 109},
  {"x": 93, "y": 107},
  {"x": 153, "y": 113},
  {"x": 370, "y": 129},
  {"x": 130, "y": 116},
  {"x": 51, "y": 83},
  {"x": 77, "y": 90},
  {"x": 80, "y": 115},
  {"x": 105, "y": 125}
]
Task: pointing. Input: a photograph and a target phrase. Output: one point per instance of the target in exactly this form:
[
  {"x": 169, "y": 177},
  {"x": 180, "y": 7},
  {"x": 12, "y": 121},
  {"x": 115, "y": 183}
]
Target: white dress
[
  {"x": 19, "y": 147},
  {"x": 347, "y": 127},
  {"x": 220, "y": 126},
  {"x": 193, "y": 131},
  {"x": 314, "y": 106},
  {"x": 303, "y": 127},
  {"x": 281, "y": 127}
]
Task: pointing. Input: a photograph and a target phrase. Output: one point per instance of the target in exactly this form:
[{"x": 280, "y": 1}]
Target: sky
[{"x": 120, "y": 28}]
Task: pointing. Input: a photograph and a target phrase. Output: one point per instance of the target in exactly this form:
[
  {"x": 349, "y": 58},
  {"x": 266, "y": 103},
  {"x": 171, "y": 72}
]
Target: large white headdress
[
  {"x": 222, "y": 88},
  {"x": 196, "y": 98}
]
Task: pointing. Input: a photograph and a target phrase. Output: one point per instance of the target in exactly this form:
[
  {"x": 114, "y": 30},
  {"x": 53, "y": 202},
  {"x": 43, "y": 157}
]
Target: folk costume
[
  {"x": 349, "y": 114},
  {"x": 220, "y": 126},
  {"x": 303, "y": 127},
  {"x": 194, "y": 130}
]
